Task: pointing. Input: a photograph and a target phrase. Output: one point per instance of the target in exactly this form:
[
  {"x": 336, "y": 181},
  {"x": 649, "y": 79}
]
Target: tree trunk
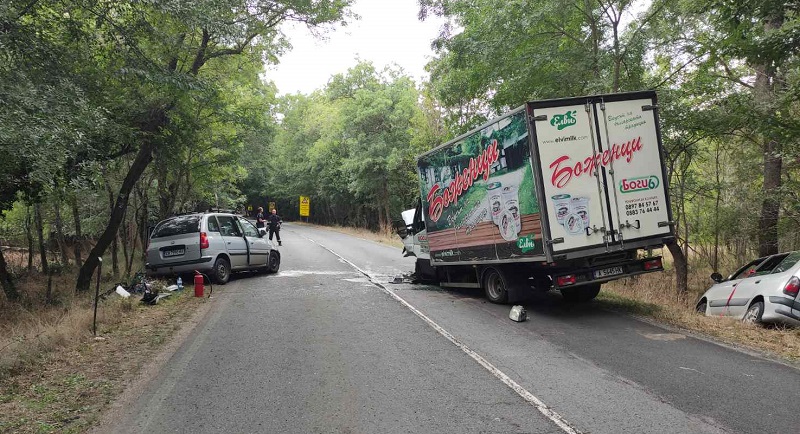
[
  {"x": 143, "y": 233},
  {"x": 681, "y": 268},
  {"x": 9, "y": 289},
  {"x": 386, "y": 223},
  {"x": 764, "y": 94},
  {"x": 123, "y": 234},
  {"x": 114, "y": 242},
  {"x": 78, "y": 234},
  {"x": 29, "y": 236},
  {"x": 60, "y": 232},
  {"x": 158, "y": 119},
  {"x": 37, "y": 213},
  {"x": 770, "y": 204}
]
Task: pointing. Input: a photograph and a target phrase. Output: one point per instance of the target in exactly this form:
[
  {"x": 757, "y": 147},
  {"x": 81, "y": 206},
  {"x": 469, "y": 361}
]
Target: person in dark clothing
[
  {"x": 274, "y": 224},
  {"x": 260, "y": 218}
]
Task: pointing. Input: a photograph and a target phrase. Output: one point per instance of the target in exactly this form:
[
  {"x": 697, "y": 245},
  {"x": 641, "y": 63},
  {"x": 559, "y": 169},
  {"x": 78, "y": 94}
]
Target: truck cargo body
[{"x": 555, "y": 194}]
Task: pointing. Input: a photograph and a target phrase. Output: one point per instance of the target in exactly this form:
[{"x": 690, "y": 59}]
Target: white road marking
[
  {"x": 527, "y": 396},
  {"x": 297, "y": 273},
  {"x": 690, "y": 369}
]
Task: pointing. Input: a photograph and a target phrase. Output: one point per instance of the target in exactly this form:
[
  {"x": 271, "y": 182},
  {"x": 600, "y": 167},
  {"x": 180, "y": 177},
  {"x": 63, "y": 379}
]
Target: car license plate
[
  {"x": 606, "y": 272},
  {"x": 174, "y": 252}
]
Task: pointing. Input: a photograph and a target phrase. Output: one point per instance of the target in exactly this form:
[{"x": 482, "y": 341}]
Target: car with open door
[{"x": 213, "y": 243}]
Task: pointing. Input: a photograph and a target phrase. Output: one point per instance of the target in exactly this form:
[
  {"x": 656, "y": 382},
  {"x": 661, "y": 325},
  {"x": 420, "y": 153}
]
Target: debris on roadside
[
  {"x": 518, "y": 314},
  {"x": 403, "y": 278},
  {"x": 122, "y": 292},
  {"x": 151, "y": 297}
]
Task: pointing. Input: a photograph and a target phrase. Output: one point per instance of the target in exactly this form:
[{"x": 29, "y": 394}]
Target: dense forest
[{"x": 115, "y": 114}]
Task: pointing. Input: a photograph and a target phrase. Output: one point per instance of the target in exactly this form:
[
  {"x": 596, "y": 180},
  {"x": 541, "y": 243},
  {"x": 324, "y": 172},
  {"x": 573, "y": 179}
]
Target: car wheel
[
  {"x": 495, "y": 286},
  {"x": 701, "y": 307},
  {"x": 274, "y": 262},
  {"x": 754, "y": 313},
  {"x": 222, "y": 271},
  {"x": 581, "y": 294}
]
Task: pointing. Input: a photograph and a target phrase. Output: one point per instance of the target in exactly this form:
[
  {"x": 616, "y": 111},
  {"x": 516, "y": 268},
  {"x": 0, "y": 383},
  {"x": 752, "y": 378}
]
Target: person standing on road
[
  {"x": 260, "y": 218},
  {"x": 274, "y": 223}
]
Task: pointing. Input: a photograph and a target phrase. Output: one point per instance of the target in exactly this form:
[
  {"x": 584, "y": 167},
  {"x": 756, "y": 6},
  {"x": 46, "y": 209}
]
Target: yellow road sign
[{"x": 305, "y": 205}]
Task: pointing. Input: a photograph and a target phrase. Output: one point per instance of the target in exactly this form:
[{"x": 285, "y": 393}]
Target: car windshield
[
  {"x": 177, "y": 226},
  {"x": 787, "y": 263}
]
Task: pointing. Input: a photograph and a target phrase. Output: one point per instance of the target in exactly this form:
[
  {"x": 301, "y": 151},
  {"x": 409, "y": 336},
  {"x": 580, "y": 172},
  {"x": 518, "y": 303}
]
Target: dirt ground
[{"x": 67, "y": 390}]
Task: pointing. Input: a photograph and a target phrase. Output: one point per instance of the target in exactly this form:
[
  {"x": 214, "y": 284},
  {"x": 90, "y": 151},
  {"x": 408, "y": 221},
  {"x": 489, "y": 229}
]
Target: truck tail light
[
  {"x": 792, "y": 287},
  {"x": 653, "y": 264},
  {"x": 203, "y": 240},
  {"x": 566, "y": 280}
]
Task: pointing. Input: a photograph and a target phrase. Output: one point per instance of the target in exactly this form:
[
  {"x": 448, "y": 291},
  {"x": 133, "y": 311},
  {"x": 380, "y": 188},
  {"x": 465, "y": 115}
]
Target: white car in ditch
[{"x": 764, "y": 290}]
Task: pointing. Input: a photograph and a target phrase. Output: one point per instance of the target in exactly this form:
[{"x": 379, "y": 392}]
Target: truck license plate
[
  {"x": 605, "y": 272},
  {"x": 174, "y": 252}
]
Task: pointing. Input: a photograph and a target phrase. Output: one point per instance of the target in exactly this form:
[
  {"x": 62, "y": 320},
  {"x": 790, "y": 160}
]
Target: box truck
[{"x": 559, "y": 194}]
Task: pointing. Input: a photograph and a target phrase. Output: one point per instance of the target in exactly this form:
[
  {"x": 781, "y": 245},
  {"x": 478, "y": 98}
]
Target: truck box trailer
[{"x": 559, "y": 194}]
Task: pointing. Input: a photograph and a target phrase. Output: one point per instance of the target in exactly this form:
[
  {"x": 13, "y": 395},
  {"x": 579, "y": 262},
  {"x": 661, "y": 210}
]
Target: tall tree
[
  {"x": 503, "y": 54},
  {"x": 165, "y": 48},
  {"x": 754, "y": 44}
]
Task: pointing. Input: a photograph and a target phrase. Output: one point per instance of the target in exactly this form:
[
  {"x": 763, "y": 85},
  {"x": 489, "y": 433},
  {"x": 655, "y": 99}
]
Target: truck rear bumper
[{"x": 606, "y": 272}]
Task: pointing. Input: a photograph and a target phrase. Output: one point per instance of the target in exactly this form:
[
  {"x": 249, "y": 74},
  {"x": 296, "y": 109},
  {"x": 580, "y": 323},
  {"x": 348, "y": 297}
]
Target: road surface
[{"x": 328, "y": 345}]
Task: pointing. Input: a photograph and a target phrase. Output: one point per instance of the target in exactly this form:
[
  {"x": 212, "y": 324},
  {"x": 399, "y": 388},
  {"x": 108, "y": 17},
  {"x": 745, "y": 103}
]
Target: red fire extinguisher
[{"x": 198, "y": 284}]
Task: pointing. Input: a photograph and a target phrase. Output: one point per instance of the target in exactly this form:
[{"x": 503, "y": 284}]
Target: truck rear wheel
[
  {"x": 581, "y": 294},
  {"x": 495, "y": 286}
]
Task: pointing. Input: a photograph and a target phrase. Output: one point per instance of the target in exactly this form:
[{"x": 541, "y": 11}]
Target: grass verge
[{"x": 55, "y": 376}]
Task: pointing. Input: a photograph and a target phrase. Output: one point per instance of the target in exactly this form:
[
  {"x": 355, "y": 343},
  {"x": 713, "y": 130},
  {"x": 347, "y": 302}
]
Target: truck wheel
[
  {"x": 495, "y": 286},
  {"x": 581, "y": 294},
  {"x": 222, "y": 271}
]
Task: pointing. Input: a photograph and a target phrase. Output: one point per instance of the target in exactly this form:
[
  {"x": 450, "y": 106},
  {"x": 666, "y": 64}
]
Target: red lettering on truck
[
  {"x": 438, "y": 201},
  {"x": 564, "y": 169}
]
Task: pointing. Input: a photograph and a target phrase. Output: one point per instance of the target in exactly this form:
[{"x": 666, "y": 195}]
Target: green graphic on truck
[{"x": 479, "y": 198}]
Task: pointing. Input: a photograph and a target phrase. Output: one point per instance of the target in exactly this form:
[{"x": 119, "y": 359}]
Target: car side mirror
[
  {"x": 716, "y": 277},
  {"x": 262, "y": 232}
]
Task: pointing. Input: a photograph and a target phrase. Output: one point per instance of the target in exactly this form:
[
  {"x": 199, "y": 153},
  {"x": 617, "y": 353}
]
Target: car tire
[
  {"x": 222, "y": 271},
  {"x": 494, "y": 284},
  {"x": 581, "y": 294},
  {"x": 274, "y": 262},
  {"x": 754, "y": 313},
  {"x": 701, "y": 307}
]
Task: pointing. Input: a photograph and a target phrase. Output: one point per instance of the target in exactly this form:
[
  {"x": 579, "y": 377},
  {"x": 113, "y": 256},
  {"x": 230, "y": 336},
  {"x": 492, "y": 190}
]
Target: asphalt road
[{"x": 328, "y": 345}]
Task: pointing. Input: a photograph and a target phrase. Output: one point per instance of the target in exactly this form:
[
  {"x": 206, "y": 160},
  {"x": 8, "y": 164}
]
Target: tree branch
[{"x": 200, "y": 57}]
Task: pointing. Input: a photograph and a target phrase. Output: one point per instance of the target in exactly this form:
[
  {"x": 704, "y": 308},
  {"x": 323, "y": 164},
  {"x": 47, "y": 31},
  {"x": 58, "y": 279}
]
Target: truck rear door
[
  {"x": 601, "y": 171},
  {"x": 637, "y": 192}
]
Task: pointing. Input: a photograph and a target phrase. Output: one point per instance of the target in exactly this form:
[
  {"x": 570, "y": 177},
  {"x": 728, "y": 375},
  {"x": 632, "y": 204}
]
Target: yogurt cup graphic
[
  {"x": 508, "y": 228},
  {"x": 496, "y": 206},
  {"x": 580, "y": 206},
  {"x": 563, "y": 206},
  {"x": 511, "y": 202},
  {"x": 573, "y": 223}
]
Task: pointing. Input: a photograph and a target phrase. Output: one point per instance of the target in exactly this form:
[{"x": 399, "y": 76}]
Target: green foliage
[
  {"x": 509, "y": 52},
  {"x": 349, "y": 147}
]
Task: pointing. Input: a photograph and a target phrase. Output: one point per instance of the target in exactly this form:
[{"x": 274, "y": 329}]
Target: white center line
[{"x": 527, "y": 396}]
